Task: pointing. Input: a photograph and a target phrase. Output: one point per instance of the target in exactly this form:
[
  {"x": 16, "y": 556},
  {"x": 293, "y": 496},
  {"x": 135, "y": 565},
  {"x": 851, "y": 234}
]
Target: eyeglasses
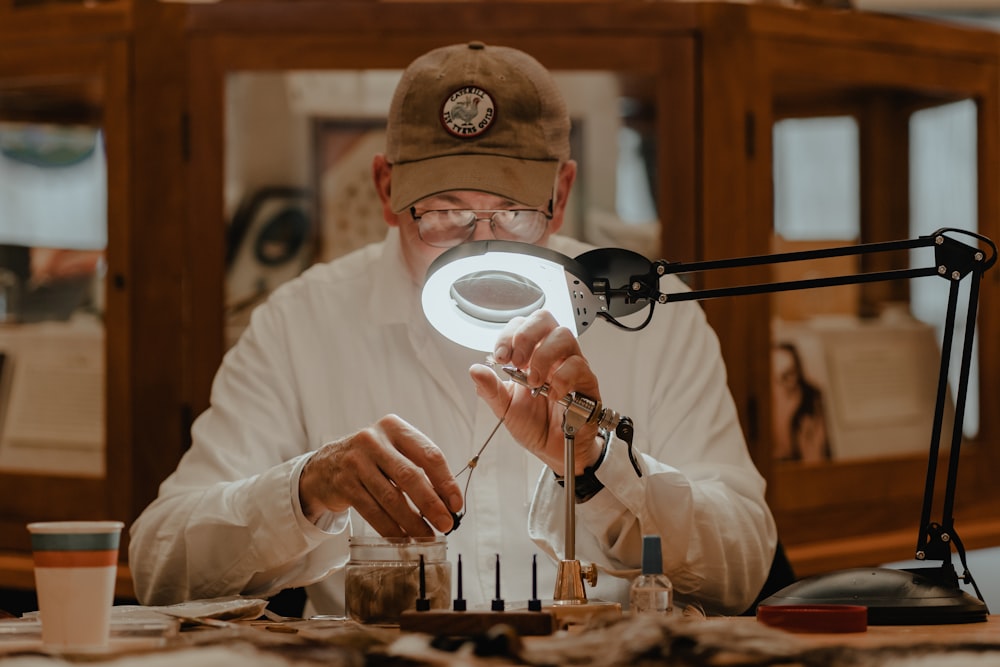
[{"x": 451, "y": 227}]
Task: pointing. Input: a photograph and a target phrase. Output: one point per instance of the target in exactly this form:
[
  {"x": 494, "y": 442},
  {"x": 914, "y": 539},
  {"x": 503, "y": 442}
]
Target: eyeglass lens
[{"x": 451, "y": 227}]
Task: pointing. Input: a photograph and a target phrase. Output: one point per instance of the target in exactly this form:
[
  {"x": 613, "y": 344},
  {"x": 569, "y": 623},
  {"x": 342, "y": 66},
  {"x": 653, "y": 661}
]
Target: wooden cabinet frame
[
  {"x": 128, "y": 50},
  {"x": 912, "y": 67},
  {"x": 103, "y": 66},
  {"x": 719, "y": 74}
]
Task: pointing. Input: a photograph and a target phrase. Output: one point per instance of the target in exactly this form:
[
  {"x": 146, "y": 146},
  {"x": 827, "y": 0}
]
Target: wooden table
[{"x": 733, "y": 642}]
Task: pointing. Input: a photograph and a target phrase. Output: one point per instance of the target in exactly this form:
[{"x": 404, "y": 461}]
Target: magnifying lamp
[{"x": 474, "y": 289}]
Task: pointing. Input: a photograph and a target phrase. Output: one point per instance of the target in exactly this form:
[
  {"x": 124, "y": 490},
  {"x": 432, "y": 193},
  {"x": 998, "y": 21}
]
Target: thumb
[{"x": 490, "y": 388}]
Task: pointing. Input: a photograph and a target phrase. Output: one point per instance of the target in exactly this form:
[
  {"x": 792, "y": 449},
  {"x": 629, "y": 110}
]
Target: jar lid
[
  {"x": 397, "y": 549},
  {"x": 378, "y": 540}
]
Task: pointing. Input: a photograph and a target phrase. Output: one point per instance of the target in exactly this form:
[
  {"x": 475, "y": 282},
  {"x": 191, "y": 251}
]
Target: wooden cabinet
[
  {"x": 69, "y": 82},
  {"x": 711, "y": 79},
  {"x": 69, "y": 64},
  {"x": 714, "y": 78}
]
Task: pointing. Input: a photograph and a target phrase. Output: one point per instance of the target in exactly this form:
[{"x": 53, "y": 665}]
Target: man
[{"x": 341, "y": 411}]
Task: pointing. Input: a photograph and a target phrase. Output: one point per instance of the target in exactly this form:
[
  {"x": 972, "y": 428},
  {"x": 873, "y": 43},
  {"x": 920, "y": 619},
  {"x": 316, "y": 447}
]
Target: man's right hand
[{"x": 391, "y": 473}]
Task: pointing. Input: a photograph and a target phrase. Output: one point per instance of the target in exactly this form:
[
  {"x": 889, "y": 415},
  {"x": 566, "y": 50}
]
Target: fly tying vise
[{"x": 582, "y": 407}]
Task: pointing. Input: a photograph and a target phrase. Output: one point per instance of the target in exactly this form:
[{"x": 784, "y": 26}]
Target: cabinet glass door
[
  {"x": 58, "y": 137},
  {"x": 863, "y": 155},
  {"x": 53, "y": 237},
  {"x": 856, "y": 378}
]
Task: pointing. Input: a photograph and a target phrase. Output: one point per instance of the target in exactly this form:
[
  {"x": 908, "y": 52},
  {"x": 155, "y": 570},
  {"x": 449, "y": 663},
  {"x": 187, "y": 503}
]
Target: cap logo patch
[{"x": 468, "y": 112}]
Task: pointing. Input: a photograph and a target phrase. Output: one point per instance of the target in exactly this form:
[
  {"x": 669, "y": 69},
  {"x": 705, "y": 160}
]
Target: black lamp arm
[{"x": 953, "y": 261}]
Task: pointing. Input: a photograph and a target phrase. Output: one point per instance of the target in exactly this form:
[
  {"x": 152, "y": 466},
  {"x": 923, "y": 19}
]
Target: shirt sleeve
[{"x": 228, "y": 520}]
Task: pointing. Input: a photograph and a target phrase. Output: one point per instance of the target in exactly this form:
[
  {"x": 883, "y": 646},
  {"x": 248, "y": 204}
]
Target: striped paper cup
[{"x": 76, "y": 563}]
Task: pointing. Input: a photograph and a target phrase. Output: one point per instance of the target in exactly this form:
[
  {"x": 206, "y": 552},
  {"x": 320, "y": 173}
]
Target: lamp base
[{"x": 893, "y": 597}]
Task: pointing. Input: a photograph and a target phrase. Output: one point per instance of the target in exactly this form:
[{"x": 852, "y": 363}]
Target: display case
[
  {"x": 691, "y": 91},
  {"x": 91, "y": 258},
  {"x": 65, "y": 325},
  {"x": 704, "y": 84}
]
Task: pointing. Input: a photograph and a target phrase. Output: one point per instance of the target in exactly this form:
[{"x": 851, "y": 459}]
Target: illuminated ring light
[{"x": 474, "y": 289}]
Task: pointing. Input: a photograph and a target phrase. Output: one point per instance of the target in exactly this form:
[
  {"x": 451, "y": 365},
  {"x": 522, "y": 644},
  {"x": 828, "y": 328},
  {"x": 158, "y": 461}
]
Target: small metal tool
[
  {"x": 580, "y": 410},
  {"x": 584, "y": 408}
]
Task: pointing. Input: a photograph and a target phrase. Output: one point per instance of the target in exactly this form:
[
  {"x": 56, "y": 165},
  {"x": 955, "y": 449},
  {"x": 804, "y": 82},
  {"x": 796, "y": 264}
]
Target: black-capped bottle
[{"x": 651, "y": 591}]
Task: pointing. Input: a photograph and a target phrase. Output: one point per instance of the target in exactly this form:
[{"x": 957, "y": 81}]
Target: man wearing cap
[{"x": 342, "y": 412}]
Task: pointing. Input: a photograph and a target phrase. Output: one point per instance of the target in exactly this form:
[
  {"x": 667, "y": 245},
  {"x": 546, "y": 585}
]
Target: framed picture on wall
[{"x": 347, "y": 205}]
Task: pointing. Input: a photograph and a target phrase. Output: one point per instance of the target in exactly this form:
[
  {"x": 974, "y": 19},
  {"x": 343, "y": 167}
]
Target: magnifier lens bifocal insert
[
  {"x": 496, "y": 296},
  {"x": 474, "y": 289}
]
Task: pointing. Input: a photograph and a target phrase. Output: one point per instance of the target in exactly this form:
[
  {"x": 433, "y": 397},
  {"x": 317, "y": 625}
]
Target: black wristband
[{"x": 586, "y": 485}]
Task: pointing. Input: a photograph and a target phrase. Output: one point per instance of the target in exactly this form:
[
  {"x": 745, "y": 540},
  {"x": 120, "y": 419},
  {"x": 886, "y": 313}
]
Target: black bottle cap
[{"x": 652, "y": 556}]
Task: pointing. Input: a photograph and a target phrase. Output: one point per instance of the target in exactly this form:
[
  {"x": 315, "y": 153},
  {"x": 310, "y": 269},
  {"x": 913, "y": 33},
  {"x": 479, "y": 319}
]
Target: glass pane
[
  {"x": 943, "y": 193},
  {"x": 299, "y": 148},
  {"x": 53, "y": 235},
  {"x": 847, "y": 385},
  {"x": 816, "y": 205},
  {"x": 816, "y": 178}
]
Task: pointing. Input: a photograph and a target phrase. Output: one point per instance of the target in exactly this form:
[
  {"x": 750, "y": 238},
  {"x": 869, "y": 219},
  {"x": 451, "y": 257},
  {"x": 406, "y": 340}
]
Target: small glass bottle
[
  {"x": 383, "y": 576},
  {"x": 651, "y": 591}
]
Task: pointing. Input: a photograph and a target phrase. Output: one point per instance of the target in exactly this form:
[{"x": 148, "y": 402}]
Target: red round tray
[{"x": 815, "y": 617}]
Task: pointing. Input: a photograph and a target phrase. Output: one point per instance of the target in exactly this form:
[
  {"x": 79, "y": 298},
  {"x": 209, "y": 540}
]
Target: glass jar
[{"x": 383, "y": 576}]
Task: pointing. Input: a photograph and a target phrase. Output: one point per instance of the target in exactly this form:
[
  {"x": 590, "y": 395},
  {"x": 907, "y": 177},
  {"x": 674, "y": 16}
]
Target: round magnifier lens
[{"x": 496, "y": 296}]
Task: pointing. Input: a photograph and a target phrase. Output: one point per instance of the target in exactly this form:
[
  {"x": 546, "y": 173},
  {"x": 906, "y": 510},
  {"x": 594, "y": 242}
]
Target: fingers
[
  {"x": 385, "y": 507},
  {"x": 517, "y": 342},
  {"x": 490, "y": 388},
  {"x": 547, "y": 353},
  {"x": 390, "y": 473},
  {"x": 422, "y": 462}
]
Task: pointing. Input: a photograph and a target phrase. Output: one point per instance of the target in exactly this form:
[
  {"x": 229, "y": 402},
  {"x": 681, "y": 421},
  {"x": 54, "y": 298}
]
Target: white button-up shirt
[{"x": 346, "y": 343}]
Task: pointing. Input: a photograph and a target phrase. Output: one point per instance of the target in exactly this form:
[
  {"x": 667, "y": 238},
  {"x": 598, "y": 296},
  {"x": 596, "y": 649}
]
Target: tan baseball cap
[{"x": 476, "y": 117}]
